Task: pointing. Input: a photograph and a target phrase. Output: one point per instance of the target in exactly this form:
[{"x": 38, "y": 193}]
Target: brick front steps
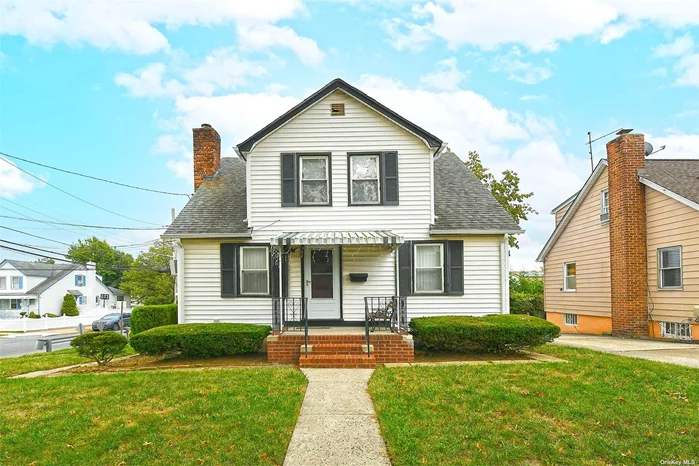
[{"x": 339, "y": 350}]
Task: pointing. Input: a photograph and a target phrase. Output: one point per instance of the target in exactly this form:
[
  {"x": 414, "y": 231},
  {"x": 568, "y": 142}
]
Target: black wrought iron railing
[
  {"x": 389, "y": 312},
  {"x": 288, "y": 313}
]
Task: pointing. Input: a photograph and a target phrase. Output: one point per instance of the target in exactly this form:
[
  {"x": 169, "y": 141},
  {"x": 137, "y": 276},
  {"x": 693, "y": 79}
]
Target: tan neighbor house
[{"x": 624, "y": 255}]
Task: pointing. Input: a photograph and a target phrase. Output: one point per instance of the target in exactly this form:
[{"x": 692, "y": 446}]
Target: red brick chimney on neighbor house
[
  {"x": 627, "y": 234},
  {"x": 207, "y": 153}
]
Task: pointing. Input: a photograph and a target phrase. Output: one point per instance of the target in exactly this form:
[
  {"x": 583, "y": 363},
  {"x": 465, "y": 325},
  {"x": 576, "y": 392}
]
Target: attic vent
[{"x": 337, "y": 109}]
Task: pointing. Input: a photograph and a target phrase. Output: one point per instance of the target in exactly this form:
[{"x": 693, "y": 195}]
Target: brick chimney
[
  {"x": 207, "y": 153},
  {"x": 627, "y": 234}
]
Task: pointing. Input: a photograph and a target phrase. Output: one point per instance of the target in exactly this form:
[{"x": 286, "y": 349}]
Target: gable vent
[{"x": 337, "y": 109}]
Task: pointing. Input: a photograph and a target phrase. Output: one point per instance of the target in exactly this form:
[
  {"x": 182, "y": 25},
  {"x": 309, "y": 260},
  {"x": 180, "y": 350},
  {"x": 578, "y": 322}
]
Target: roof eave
[
  {"x": 475, "y": 231},
  {"x": 205, "y": 235},
  {"x": 688, "y": 202}
]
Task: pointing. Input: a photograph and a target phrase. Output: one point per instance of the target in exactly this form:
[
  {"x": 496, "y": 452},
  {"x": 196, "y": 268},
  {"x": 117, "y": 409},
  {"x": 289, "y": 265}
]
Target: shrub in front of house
[
  {"x": 34, "y": 315},
  {"x": 492, "y": 333},
  {"x": 147, "y": 317},
  {"x": 201, "y": 340},
  {"x": 69, "y": 307},
  {"x": 100, "y": 346},
  {"x": 48, "y": 314}
]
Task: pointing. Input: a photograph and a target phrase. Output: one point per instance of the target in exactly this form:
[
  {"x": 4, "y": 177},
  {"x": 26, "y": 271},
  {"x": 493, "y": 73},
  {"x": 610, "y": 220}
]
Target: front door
[{"x": 322, "y": 282}]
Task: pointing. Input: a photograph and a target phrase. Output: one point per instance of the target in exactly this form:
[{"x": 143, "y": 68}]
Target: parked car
[{"x": 111, "y": 322}]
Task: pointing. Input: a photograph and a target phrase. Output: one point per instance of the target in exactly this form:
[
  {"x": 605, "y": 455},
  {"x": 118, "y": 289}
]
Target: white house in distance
[
  {"x": 38, "y": 287},
  {"x": 357, "y": 202}
]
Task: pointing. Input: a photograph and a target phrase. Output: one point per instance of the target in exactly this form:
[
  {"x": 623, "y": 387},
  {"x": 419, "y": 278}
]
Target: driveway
[{"x": 683, "y": 354}]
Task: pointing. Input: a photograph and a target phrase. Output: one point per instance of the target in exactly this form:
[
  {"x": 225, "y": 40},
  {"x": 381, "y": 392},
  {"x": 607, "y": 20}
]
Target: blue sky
[{"x": 113, "y": 89}]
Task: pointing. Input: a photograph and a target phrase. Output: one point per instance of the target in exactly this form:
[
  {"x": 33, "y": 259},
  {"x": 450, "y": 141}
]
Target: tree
[
  {"x": 69, "y": 307},
  {"x": 505, "y": 190},
  {"x": 149, "y": 280},
  {"x": 109, "y": 261},
  {"x": 527, "y": 293},
  {"x": 46, "y": 260}
]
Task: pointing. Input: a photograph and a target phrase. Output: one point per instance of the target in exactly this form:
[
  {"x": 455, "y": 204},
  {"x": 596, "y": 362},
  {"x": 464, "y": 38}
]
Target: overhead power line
[
  {"x": 32, "y": 247},
  {"x": 81, "y": 225},
  {"x": 94, "y": 177},
  {"x": 35, "y": 236},
  {"x": 73, "y": 195},
  {"x": 2, "y": 246}
]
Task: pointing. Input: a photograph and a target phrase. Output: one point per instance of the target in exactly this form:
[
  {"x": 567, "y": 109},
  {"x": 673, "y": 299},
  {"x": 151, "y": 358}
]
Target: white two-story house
[{"x": 338, "y": 199}]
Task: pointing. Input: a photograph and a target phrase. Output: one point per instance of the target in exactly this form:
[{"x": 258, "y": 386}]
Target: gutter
[
  {"x": 475, "y": 232},
  {"x": 207, "y": 235}
]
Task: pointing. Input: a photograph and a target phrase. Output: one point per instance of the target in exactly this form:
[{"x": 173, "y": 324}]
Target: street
[{"x": 17, "y": 344}]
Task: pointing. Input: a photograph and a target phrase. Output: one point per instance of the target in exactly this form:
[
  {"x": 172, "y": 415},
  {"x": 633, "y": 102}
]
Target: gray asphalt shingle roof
[
  {"x": 679, "y": 176},
  {"x": 49, "y": 282},
  {"x": 462, "y": 202},
  {"x": 39, "y": 269},
  {"x": 218, "y": 207}
]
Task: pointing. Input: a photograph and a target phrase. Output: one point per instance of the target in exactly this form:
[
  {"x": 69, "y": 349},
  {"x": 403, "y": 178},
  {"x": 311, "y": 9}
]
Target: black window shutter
[
  {"x": 229, "y": 270},
  {"x": 274, "y": 259},
  {"x": 289, "y": 174},
  {"x": 389, "y": 171},
  {"x": 405, "y": 269},
  {"x": 455, "y": 267}
]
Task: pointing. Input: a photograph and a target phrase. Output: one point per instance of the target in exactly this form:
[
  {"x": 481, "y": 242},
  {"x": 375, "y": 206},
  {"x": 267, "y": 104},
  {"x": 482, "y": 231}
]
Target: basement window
[
  {"x": 677, "y": 330},
  {"x": 670, "y": 268},
  {"x": 570, "y": 320}
]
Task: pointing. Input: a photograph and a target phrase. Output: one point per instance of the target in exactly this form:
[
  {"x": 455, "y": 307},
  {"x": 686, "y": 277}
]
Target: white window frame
[
  {"x": 677, "y": 330},
  {"x": 441, "y": 267},
  {"x": 378, "y": 178},
  {"x": 661, "y": 285},
  {"x": 565, "y": 277},
  {"x": 12, "y": 283},
  {"x": 3, "y": 283},
  {"x": 240, "y": 273},
  {"x": 327, "y": 177},
  {"x": 570, "y": 320},
  {"x": 604, "y": 207}
]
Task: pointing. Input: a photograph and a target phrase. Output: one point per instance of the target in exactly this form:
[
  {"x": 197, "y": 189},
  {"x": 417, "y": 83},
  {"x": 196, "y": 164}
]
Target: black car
[{"x": 111, "y": 322}]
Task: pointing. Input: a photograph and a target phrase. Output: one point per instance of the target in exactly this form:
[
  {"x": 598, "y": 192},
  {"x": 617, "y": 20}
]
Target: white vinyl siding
[
  {"x": 360, "y": 130},
  {"x": 379, "y": 263},
  {"x": 483, "y": 293},
  {"x": 202, "y": 289}
]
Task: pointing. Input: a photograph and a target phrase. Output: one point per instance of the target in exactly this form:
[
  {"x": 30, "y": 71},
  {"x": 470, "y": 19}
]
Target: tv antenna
[{"x": 589, "y": 142}]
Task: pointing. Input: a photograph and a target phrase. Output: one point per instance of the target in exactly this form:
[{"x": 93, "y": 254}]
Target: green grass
[
  {"x": 44, "y": 361},
  {"x": 230, "y": 416},
  {"x": 597, "y": 409}
]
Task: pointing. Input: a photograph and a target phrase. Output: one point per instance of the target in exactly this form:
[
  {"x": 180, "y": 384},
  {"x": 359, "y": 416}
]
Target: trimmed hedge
[
  {"x": 492, "y": 333},
  {"x": 201, "y": 340},
  {"x": 147, "y": 317},
  {"x": 100, "y": 346}
]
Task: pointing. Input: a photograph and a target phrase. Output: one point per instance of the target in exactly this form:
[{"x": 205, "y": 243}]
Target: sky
[{"x": 112, "y": 88}]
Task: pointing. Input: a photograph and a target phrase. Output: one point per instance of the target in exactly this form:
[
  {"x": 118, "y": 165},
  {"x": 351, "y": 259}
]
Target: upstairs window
[
  {"x": 364, "y": 179},
  {"x": 604, "y": 206},
  {"x": 569, "y": 277},
  {"x": 670, "y": 268},
  {"x": 315, "y": 188},
  {"x": 80, "y": 280},
  {"x": 3, "y": 283},
  {"x": 16, "y": 283}
]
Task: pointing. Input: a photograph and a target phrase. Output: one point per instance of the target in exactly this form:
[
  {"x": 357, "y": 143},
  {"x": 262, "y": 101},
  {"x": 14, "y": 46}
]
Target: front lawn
[
  {"x": 216, "y": 416},
  {"x": 596, "y": 409},
  {"x": 44, "y": 361}
]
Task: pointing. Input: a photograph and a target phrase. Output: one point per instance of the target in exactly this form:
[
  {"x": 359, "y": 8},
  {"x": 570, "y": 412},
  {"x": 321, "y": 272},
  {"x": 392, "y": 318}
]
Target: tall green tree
[
  {"x": 149, "y": 280},
  {"x": 109, "y": 260},
  {"x": 506, "y": 190}
]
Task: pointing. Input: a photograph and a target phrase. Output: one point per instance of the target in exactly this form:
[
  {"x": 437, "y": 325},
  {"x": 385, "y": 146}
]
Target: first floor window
[
  {"x": 16, "y": 283},
  {"x": 82, "y": 300},
  {"x": 104, "y": 296},
  {"x": 569, "y": 277},
  {"x": 364, "y": 183},
  {"x": 254, "y": 270},
  {"x": 3, "y": 283},
  {"x": 670, "y": 267},
  {"x": 314, "y": 180},
  {"x": 429, "y": 268},
  {"x": 15, "y": 304},
  {"x": 32, "y": 302}
]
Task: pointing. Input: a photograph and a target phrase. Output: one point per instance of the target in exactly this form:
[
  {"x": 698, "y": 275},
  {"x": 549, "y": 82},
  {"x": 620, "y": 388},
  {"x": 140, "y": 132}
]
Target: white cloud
[
  {"x": 659, "y": 72},
  {"x": 521, "y": 71},
  {"x": 222, "y": 69},
  {"x": 181, "y": 168},
  {"x": 688, "y": 70},
  {"x": 677, "y": 145},
  {"x": 260, "y": 36},
  {"x": 533, "y": 97},
  {"x": 680, "y": 46},
  {"x": 537, "y": 27},
  {"x": 171, "y": 144},
  {"x": 126, "y": 25},
  {"x": 13, "y": 182},
  {"x": 447, "y": 76},
  {"x": 148, "y": 82}
]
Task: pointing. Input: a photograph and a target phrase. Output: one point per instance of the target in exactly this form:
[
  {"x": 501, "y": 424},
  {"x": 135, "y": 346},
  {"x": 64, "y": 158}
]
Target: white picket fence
[{"x": 46, "y": 323}]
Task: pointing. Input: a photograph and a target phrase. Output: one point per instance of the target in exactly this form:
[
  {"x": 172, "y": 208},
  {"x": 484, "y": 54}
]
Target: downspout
[{"x": 505, "y": 272}]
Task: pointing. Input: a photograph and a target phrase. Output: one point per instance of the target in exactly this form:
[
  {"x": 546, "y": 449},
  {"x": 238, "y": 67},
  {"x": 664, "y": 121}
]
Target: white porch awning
[{"x": 297, "y": 238}]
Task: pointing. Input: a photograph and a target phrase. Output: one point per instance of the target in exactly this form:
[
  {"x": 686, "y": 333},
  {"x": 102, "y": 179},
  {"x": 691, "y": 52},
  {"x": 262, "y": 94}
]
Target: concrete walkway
[
  {"x": 683, "y": 354},
  {"x": 337, "y": 425}
]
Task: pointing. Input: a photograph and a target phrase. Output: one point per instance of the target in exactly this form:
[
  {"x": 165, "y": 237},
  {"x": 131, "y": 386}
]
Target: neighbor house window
[
  {"x": 429, "y": 268},
  {"x": 82, "y": 300},
  {"x": 315, "y": 189},
  {"x": 604, "y": 206},
  {"x": 569, "y": 277},
  {"x": 16, "y": 304},
  {"x": 570, "y": 320},
  {"x": 80, "y": 280},
  {"x": 670, "y": 268},
  {"x": 104, "y": 296},
  {"x": 3, "y": 283},
  {"x": 16, "y": 283},
  {"x": 32, "y": 302},
  {"x": 254, "y": 270},
  {"x": 364, "y": 179}
]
